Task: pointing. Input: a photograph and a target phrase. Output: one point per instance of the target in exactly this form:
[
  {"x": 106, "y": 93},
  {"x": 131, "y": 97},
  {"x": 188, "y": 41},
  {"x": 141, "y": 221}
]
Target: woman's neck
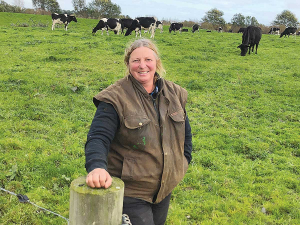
[{"x": 149, "y": 88}]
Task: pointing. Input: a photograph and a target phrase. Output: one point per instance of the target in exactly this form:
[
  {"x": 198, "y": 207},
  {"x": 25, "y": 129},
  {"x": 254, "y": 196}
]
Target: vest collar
[{"x": 140, "y": 87}]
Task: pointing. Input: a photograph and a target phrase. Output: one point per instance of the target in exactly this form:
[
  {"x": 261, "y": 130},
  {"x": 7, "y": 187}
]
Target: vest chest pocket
[
  {"x": 178, "y": 116},
  {"x": 135, "y": 132}
]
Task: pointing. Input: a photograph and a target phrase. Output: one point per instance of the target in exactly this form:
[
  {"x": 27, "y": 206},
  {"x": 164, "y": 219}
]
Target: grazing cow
[
  {"x": 185, "y": 30},
  {"x": 220, "y": 29},
  {"x": 241, "y": 30},
  {"x": 62, "y": 19},
  {"x": 175, "y": 26},
  {"x": 195, "y": 28},
  {"x": 159, "y": 25},
  {"x": 251, "y": 37},
  {"x": 288, "y": 31},
  {"x": 108, "y": 24},
  {"x": 230, "y": 31},
  {"x": 274, "y": 30},
  {"x": 126, "y": 23},
  {"x": 146, "y": 23}
]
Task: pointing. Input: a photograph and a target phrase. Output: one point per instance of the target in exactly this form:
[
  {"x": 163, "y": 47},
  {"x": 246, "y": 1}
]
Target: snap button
[{"x": 140, "y": 123}]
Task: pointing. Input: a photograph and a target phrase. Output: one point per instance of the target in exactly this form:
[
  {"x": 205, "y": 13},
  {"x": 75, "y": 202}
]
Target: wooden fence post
[{"x": 89, "y": 206}]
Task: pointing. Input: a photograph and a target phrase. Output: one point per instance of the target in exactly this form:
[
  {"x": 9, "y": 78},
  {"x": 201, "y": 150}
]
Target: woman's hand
[{"x": 98, "y": 178}]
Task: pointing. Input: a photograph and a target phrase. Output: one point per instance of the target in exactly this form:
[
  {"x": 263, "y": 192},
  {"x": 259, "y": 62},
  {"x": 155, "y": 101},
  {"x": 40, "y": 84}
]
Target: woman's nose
[{"x": 142, "y": 64}]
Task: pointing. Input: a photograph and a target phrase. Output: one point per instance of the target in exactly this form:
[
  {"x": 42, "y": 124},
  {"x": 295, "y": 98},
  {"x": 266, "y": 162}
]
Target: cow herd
[{"x": 251, "y": 35}]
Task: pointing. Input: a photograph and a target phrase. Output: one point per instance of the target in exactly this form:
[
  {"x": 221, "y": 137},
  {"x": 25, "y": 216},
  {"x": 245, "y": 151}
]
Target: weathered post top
[{"x": 96, "y": 206}]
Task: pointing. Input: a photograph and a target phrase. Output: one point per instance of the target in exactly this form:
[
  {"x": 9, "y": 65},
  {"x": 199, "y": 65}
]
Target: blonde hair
[{"x": 143, "y": 43}]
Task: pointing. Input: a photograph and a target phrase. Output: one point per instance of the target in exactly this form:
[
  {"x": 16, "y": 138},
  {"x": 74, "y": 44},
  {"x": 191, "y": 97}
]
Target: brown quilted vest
[{"x": 145, "y": 153}]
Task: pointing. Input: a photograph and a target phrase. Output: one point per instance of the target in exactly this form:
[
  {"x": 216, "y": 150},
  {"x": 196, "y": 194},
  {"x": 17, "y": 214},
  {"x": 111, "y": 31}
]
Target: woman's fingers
[{"x": 98, "y": 178}]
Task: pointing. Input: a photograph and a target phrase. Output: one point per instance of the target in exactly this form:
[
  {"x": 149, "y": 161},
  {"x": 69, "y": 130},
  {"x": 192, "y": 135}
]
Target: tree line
[{"x": 105, "y": 8}]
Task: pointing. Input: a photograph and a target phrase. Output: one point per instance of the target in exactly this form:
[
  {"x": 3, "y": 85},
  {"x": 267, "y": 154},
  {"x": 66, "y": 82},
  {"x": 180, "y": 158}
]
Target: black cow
[
  {"x": 288, "y": 31},
  {"x": 175, "y": 26},
  {"x": 146, "y": 23},
  {"x": 220, "y": 29},
  {"x": 126, "y": 23},
  {"x": 251, "y": 37},
  {"x": 159, "y": 25},
  {"x": 195, "y": 28},
  {"x": 274, "y": 30},
  {"x": 62, "y": 19},
  {"x": 108, "y": 24},
  {"x": 241, "y": 30}
]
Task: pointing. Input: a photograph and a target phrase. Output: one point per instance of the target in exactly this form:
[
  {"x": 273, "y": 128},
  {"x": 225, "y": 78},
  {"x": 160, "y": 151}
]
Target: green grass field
[{"x": 244, "y": 113}]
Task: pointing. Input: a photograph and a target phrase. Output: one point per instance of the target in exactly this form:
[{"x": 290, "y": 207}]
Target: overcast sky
[{"x": 265, "y": 11}]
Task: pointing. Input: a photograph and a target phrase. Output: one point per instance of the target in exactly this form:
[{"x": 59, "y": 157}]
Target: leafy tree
[
  {"x": 39, "y": 4},
  {"x": 286, "y": 18},
  {"x": 47, "y": 5},
  {"x": 254, "y": 21},
  {"x": 80, "y": 8},
  {"x": 214, "y": 16},
  {"x": 4, "y": 7},
  {"x": 238, "y": 20},
  {"x": 52, "y": 6},
  {"x": 248, "y": 21},
  {"x": 100, "y": 8},
  {"x": 79, "y": 5}
]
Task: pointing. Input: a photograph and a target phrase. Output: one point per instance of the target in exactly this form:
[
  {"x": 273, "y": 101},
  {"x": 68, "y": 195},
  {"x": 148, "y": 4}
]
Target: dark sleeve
[
  {"x": 188, "y": 146},
  {"x": 102, "y": 132}
]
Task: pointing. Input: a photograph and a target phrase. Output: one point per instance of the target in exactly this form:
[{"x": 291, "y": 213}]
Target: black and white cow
[
  {"x": 195, "y": 28},
  {"x": 288, "y": 31},
  {"x": 159, "y": 25},
  {"x": 274, "y": 30},
  {"x": 175, "y": 26},
  {"x": 108, "y": 24},
  {"x": 220, "y": 29},
  {"x": 241, "y": 30},
  {"x": 146, "y": 23},
  {"x": 62, "y": 19},
  {"x": 126, "y": 23},
  {"x": 251, "y": 37}
]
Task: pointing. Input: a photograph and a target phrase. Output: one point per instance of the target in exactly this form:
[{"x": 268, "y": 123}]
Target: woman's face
[{"x": 142, "y": 65}]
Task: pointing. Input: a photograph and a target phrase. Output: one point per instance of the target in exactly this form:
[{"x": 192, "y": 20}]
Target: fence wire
[{"x": 25, "y": 199}]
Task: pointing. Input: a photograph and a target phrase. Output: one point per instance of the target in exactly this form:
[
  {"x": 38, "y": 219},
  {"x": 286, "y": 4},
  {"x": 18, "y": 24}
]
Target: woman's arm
[
  {"x": 188, "y": 146},
  {"x": 101, "y": 133}
]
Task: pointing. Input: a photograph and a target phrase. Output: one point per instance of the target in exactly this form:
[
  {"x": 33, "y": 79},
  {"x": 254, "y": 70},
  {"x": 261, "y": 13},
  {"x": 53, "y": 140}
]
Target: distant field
[{"x": 244, "y": 113}]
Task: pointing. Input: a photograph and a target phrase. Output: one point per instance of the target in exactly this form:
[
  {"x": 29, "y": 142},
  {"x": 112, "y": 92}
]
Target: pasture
[{"x": 244, "y": 113}]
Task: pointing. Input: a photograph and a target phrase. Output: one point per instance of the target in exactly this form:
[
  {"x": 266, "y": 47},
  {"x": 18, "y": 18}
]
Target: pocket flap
[
  {"x": 178, "y": 116},
  {"x": 134, "y": 122}
]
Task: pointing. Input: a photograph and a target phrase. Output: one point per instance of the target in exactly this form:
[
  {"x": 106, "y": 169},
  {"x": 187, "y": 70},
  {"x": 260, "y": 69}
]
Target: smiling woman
[
  {"x": 141, "y": 134},
  {"x": 142, "y": 66}
]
